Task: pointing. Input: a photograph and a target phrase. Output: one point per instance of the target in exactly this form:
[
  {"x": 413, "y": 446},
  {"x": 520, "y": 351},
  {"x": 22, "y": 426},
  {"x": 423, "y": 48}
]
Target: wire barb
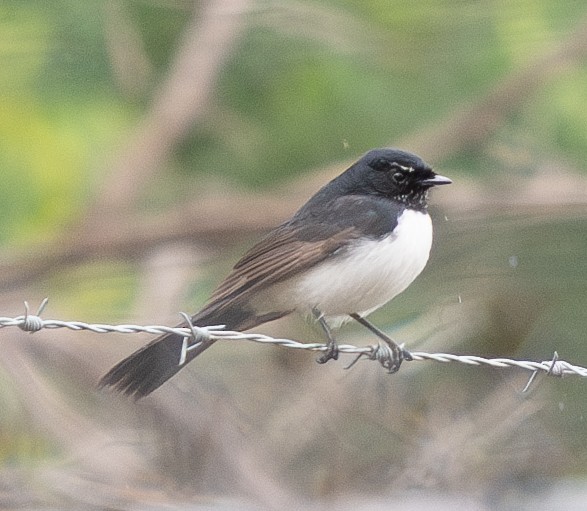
[
  {"x": 32, "y": 322},
  {"x": 555, "y": 369},
  {"x": 194, "y": 336}
]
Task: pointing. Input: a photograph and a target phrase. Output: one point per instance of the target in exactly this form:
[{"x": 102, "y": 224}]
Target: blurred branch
[
  {"x": 449, "y": 451},
  {"x": 113, "y": 455},
  {"x": 110, "y": 226},
  {"x": 130, "y": 63},
  {"x": 181, "y": 102},
  {"x": 472, "y": 125},
  {"x": 55, "y": 416},
  {"x": 217, "y": 219},
  {"x": 215, "y": 222}
]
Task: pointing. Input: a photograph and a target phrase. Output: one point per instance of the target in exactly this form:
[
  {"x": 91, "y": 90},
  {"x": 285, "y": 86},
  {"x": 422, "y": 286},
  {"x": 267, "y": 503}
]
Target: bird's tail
[
  {"x": 149, "y": 367},
  {"x": 152, "y": 365}
]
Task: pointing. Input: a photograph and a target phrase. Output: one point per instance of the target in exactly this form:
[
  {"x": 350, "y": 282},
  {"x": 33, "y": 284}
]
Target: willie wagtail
[{"x": 355, "y": 245}]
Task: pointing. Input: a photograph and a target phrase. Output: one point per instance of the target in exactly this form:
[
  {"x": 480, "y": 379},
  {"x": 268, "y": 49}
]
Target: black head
[{"x": 394, "y": 174}]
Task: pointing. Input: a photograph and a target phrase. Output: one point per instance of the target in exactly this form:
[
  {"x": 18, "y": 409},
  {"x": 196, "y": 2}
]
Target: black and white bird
[{"x": 356, "y": 244}]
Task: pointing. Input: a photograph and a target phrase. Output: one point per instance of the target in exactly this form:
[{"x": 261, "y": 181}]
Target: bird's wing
[
  {"x": 279, "y": 256},
  {"x": 302, "y": 243}
]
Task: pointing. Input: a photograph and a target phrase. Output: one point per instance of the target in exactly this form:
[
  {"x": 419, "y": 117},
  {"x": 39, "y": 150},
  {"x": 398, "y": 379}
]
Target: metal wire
[{"x": 194, "y": 335}]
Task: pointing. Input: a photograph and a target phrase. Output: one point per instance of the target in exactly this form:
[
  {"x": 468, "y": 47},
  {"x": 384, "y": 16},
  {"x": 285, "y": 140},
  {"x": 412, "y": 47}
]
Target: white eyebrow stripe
[{"x": 407, "y": 169}]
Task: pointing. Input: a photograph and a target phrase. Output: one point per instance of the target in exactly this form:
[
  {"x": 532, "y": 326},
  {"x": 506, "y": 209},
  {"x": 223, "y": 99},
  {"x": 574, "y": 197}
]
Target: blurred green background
[{"x": 144, "y": 144}]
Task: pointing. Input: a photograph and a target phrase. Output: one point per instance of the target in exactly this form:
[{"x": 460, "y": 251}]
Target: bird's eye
[{"x": 399, "y": 177}]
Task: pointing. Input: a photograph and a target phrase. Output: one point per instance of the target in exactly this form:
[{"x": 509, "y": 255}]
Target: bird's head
[{"x": 395, "y": 174}]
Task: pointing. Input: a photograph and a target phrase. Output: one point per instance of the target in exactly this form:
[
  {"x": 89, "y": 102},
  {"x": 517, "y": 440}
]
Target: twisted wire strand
[{"x": 194, "y": 335}]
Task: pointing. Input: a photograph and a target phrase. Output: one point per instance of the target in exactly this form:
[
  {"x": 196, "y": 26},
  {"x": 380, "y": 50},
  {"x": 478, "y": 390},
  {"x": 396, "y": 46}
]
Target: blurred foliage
[
  {"x": 104, "y": 288},
  {"x": 310, "y": 82}
]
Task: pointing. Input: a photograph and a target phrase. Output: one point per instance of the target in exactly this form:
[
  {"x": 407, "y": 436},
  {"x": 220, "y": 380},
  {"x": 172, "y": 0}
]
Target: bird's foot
[
  {"x": 331, "y": 353},
  {"x": 391, "y": 355}
]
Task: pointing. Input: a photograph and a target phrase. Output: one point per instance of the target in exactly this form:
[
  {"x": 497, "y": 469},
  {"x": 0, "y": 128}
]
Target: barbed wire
[{"x": 195, "y": 335}]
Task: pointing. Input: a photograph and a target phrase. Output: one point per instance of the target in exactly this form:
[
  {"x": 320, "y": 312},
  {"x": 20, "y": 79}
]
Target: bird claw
[
  {"x": 389, "y": 355},
  {"x": 331, "y": 353}
]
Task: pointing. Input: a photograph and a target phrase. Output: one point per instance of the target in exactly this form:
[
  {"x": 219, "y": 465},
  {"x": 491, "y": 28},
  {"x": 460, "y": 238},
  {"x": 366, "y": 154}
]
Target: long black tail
[
  {"x": 152, "y": 365},
  {"x": 149, "y": 367}
]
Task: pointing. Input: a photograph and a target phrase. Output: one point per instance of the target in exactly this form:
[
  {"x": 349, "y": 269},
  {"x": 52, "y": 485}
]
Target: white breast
[{"x": 369, "y": 274}]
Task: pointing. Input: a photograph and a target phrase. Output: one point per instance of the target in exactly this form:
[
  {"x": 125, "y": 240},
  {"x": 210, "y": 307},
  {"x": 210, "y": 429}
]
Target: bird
[{"x": 356, "y": 244}]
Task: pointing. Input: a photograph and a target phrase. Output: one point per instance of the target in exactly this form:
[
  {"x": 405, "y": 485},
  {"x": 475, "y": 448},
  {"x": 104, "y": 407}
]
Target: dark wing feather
[
  {"x": 304, "y": 241},
  {"x": 277, "y": 259}
]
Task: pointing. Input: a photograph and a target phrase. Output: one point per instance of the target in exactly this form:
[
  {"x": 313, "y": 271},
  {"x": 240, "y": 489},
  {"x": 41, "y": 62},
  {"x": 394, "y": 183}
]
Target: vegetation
[{"x": 143, "y": 144}]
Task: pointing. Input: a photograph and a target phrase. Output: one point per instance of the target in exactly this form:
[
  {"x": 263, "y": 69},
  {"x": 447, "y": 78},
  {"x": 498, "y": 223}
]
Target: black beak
[{"x": 436, "y": 180}]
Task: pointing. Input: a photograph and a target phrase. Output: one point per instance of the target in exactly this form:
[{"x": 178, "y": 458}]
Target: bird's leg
[
  {"x": 399, "y": 353},
  {"x": 331, "y": 347}
]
